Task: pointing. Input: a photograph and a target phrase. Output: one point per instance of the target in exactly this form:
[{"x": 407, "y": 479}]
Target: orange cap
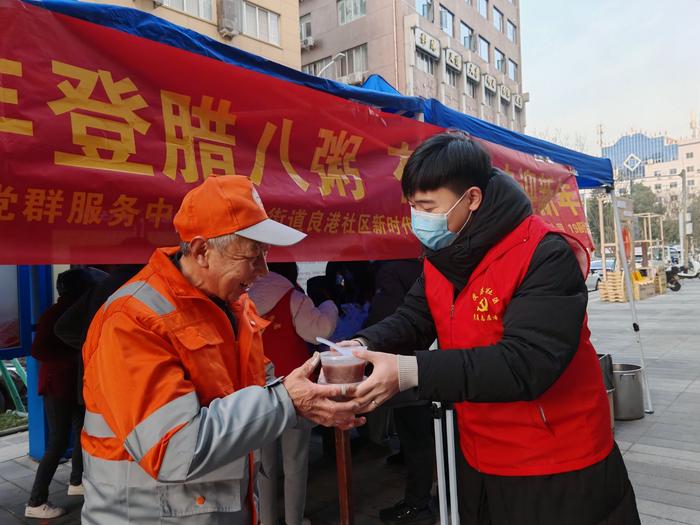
[{"x": 230, "y": 204}]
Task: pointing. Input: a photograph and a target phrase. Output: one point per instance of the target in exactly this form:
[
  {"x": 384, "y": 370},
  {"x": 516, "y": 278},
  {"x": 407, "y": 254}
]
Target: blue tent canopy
[
  {"x": 378, "y": 83},
  {"x": 591, "y": 171}
]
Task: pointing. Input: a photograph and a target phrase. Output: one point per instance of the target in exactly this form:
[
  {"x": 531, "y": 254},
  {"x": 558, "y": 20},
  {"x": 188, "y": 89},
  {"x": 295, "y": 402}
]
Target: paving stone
[
  {"x": 668, "y": 497},
  {"x": 651, "y": 520},
  {"x": 655, "y": 481},
  {"x": 671, "y": 512}
]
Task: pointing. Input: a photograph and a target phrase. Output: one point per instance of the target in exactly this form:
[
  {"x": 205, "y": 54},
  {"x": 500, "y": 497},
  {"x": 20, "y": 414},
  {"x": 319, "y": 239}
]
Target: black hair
[
  {"x": 73, "y": 283},
  {"x": 450, "y": 160},
  {"x": 289, "y": 270}
]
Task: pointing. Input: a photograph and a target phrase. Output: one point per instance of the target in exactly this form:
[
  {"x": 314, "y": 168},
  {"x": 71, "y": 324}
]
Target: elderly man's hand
[
  {"x": 312, "y": 401},
  {"x": 382, "y": 384}
]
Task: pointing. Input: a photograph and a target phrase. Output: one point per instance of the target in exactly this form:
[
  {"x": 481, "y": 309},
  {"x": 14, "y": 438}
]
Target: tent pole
[{"x": 622, "y": 257}]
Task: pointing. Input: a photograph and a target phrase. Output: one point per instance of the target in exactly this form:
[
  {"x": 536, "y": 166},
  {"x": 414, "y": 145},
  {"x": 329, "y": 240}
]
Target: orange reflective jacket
[{"x": 169, "y": 387}]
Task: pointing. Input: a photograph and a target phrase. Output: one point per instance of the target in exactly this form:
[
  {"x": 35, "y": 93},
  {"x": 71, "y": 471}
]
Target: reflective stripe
[
  {"x": 178, "y": 456},
  {"x": 152, "y": 429},
  {"x": 96, "y": 426},
  {"x": 122, "y": 473},
  {"x": 145, "y": 293},
  {"x": 119, "y": 473}
]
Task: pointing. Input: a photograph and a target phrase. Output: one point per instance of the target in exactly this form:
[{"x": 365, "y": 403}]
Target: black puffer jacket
[{"x": 542, "y": 323}]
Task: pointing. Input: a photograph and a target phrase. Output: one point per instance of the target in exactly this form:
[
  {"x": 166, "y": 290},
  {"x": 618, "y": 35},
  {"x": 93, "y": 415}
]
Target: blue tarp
[
  {"x": 591, "y": 171},
  {"x": 378, "y": 83}
]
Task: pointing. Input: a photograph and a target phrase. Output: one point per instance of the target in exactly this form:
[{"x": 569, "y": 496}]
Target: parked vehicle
[
  {"x": 595, "y": 275},
  {"x": 668, "y": 255},
  {"x": 692, "y": 271}
]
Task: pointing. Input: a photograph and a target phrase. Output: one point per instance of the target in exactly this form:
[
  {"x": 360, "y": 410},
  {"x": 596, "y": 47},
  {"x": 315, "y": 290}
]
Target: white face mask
[{"x": 431, "y": 228}]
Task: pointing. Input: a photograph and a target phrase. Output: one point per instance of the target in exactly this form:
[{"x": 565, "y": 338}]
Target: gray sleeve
[{"x": 214, "y": 444}]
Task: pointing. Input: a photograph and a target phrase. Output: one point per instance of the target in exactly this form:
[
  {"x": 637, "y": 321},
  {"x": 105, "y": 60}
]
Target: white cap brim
[{"x": 273, "y": 233}]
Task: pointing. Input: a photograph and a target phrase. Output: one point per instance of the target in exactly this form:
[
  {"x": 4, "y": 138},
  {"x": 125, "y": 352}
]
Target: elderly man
[{"x": 175, "y": 374}]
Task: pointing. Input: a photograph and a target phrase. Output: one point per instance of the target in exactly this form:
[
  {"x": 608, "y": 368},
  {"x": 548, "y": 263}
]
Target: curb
[{"x": 13, "y": 430}]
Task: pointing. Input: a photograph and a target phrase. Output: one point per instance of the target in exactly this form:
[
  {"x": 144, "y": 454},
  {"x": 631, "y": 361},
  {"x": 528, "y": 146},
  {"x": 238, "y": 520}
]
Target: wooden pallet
[
  {"x": 613, "y": 289},
  {"x": 660, "y": 282}
]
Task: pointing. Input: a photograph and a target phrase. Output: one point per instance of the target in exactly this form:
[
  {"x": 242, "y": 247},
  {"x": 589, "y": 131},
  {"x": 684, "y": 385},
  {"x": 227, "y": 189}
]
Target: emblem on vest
[{"x": 485, "y": 305}]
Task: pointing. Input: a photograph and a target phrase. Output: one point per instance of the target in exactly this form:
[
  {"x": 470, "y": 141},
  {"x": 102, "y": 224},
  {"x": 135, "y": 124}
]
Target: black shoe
[{"x": 401, "y": 514}]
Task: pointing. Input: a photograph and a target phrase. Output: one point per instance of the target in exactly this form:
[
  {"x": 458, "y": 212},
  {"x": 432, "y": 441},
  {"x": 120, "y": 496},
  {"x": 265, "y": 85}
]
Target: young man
[{"x": 505, "y": 296}]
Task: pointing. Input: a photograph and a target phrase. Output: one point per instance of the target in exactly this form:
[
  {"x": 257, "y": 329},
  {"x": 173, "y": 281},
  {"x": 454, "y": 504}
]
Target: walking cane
[{"x": 438, "y": 413}]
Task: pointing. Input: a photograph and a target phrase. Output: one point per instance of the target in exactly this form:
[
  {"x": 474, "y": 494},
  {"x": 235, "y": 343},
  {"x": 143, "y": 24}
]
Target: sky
[{"x": 625, "y": 64}]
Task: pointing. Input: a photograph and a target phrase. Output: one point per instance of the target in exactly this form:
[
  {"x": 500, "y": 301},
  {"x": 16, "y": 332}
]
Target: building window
[
  {"x": 353, "y": 61},
  {"x": 511, "y": 31},
  {"x": 452, "y": 77},
  {"x": 349, "y": 10},
  {"x": 447, "y": 21},
  {"x": 673, "y": 171},
  {"x": 305, "y": 26},
  {"x": 505, "y": 107},
  {"x": 512, "y": 71},
  {"x": 691, "y": 168},
  {"x": 657, "y": 187},
  {"x": 689, "y": 155},
  {"x": 484, "y": 8},
  {"x": 484, "y": 49},
  {"x": 691, "y": 183},
  {"x": 674, "y": 185},
  {"x": 424, "y": 62},
  {"x": 466, "y": 35},
  {"x": 261, "y": 23},
  {"x": 314, "y": 68},
  {"x": 657, "y": 174},
  {"x": 499, "y": 59},
  {"x": 488, "y": 97},
  {"x": 518, "y": 118},
  {"x": 674, "y": 198},
  {"x": 425, "y": 8},
  {"x": 471, "y": 89},
  {"x": 198, "y": 8},
  {"x": 498, "y": 20}
]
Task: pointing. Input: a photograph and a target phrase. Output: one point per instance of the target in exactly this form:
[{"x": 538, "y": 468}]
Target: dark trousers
[
  {"x": 62, "y": 417},
  {"x": 414, "y": 425},
  {"x": 597, "y": 495}
]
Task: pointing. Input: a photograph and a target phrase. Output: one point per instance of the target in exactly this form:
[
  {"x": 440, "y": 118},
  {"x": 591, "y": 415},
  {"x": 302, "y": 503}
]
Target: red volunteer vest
[
  {"x": 568, "y": 427},
  {"x": 281, "y": 343}
]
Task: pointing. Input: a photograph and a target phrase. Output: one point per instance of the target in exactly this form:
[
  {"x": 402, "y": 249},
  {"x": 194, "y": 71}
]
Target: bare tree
[{"x": 576, "y": 141}]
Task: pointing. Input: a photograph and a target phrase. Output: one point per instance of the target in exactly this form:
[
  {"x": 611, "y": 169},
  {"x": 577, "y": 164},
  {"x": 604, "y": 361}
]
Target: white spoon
[{"x": 344, "y": 350}]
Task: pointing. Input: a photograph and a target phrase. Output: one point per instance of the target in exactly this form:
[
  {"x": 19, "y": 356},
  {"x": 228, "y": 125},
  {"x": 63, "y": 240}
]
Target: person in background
[
  {"x": 72, "y": 326},
  {"x": 413, "y": 420},
  {"x": 352, "y": 286},
  {"x": 294, "y": 324},
  {"x": 58, "y": 375}
]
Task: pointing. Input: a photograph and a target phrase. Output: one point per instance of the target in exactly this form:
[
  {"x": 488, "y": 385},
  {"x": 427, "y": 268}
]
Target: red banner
[{"x": 103, "y": 132}]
